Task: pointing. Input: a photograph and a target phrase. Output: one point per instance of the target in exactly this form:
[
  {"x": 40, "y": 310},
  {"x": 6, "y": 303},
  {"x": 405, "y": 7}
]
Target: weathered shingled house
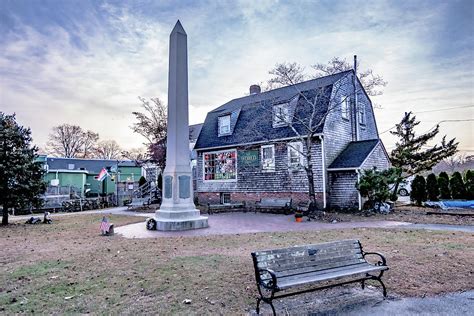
[{"x": 250, "y": 147}]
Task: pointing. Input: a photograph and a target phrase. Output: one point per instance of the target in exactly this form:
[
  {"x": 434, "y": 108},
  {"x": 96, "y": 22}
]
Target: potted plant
[{"x": 299, "y": 217}]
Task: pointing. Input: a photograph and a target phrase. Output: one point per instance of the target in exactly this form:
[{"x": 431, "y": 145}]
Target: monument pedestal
[{"x": 177, "y": 211}]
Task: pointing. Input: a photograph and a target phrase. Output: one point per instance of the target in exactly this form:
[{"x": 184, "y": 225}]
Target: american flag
[{"x": 104, "y": 226}]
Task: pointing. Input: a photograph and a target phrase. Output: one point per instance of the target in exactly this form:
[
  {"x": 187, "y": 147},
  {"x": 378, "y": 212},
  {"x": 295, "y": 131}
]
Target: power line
[
  {"x": 443, "y": 121},
  {"x": 445, "y": 109}
]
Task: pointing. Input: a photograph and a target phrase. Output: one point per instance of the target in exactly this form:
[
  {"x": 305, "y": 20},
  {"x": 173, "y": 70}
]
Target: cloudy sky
[{"x": 86, "y": 62}]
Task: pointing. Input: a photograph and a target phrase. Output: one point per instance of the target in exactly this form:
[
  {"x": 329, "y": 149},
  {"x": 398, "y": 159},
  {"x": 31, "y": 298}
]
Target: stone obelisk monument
[{"x": 177, "y": 210}]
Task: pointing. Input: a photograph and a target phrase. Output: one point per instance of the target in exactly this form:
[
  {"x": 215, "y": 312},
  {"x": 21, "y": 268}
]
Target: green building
[{"x": 66, "y": 176}]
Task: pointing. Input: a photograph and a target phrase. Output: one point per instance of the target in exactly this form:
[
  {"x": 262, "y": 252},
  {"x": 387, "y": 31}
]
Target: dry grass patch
[{"x": 68, "y": 268}]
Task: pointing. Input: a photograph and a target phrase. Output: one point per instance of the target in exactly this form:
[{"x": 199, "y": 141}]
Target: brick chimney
[{"x": 255, "y": 89}]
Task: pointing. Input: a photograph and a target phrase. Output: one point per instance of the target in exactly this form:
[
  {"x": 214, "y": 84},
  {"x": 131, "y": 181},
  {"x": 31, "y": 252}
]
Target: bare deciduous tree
[
  {"x": 67, "y": 140},
  {"x": 152, "y": 124},
  {"x": 285, "y": 74},
  {"x": 108, "y": 149},
  {"x": 135, "y": 154},
  {"x": 371, "y": 82},
  {"x": 88, "y": 143}
]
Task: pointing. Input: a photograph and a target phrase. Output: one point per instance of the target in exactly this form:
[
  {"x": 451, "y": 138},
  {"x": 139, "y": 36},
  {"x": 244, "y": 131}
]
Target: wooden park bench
[
  {"x": 139, "y": 202},
  {"x": 215, "y": 208},
  {"x": 274, "y": 205},
  {"x": 341, "y": 262}
]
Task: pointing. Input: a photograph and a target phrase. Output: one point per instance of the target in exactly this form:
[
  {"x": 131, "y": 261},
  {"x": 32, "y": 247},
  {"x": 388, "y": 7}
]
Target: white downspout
[
  {"x": 360, "y": 197},
  {"x": 323, "y": 164},
  {"x": 356, "y": 106}
]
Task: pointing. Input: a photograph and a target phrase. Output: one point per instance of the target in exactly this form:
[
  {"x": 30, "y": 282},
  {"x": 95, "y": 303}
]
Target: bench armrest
[
  {"x": 379, "y": 263},
  {"x": 273, "y": 283}
]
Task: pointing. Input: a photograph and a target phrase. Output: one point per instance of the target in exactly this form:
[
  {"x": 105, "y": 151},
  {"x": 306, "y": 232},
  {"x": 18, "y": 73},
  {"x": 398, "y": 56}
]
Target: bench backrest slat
[{"x": 310, "y": 257}]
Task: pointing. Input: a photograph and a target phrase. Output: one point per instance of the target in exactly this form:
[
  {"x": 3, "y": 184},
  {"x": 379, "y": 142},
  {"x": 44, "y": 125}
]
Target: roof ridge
[{"x": 284, "y": 87}]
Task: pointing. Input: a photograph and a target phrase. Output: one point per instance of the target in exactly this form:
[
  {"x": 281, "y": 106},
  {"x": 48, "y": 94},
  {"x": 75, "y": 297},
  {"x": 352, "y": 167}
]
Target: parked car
[{"x": 404, "y": 188}]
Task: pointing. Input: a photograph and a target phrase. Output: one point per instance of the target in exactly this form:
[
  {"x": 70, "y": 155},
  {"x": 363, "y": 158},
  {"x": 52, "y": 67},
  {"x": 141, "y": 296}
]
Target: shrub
[
  {"x": 375, "y": 185},
  {"x": 432, "y": 187},
  {"x": 160, "y": 182},
  {"x": 418, "y": 190},
  {"x": 142, "y": 181},
  {"x": 456, "y": 184},
  {"x": 443, "y": 183},
  {"x": 469, "y": 184}
]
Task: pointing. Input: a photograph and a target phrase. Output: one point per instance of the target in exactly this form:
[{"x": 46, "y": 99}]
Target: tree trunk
[
  {"x": 311, "y": 190},
  {"x": 5, "y": 215},
  {"x": 394, "y": 196}
]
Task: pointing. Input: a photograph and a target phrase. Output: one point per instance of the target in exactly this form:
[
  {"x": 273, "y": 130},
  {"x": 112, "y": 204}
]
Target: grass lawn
[{"x": 68, "y": 268}]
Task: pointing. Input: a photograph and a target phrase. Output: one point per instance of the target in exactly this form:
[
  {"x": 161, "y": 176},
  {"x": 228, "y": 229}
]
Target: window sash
[
  {"x": 224, "y": 124},
  {"x": 268, "y": 157},
  {"x": 345, "y": 107},
  {"x": 281, "y": 114},
  {"x": 295, "y": 156},
  {"x": 362, "y": 116}
]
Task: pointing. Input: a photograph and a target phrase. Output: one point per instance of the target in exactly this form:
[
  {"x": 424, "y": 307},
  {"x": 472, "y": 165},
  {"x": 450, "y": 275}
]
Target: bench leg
[
  {"x": 363, "y": 284},
  {"x": 266, "y": 300},
  {"x": 379, "y": 279}
]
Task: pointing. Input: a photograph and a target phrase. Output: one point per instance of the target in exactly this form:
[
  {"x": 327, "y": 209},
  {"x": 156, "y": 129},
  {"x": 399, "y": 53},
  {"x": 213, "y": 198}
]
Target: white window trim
[
  {"x": 224, "y": 180},
  {"x": 219, "y": 125},
  {"x": 291, "y": 146},
  {"x": 345, "y": 107},
  {"x": 275, "y": 117},
  {"x": 272, "y": 169},
  {"x": 362, "y": 115}
]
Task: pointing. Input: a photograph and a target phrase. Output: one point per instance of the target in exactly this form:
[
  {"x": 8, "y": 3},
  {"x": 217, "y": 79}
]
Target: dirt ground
[
  {"x": 409, "y": 213},
  {"x": 67, "y": 267}
]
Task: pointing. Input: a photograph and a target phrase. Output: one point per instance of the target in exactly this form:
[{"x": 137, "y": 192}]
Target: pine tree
[
  {"x": 469, "y": 184},
  {"x": 410, "y": 156},
  {"x": 443, "y": 183},
  {"x": 456, "y": 185},
  {"x": 375, "y": 185},
  {"x": 418, "y": 190},
  {"x": 432, "y": 187},
  {"x": 21, "y": 177}
]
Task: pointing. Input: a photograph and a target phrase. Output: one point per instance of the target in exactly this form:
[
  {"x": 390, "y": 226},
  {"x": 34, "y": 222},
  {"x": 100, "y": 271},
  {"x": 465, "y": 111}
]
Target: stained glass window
[{"x": 220, "y": 165}]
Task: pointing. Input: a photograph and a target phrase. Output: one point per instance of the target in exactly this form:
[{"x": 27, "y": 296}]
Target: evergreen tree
[
  {"x": 375, "y": 185},
  {"x": 410, "y": 155},
  {"x": 21, "y": 177},
  {"x": 142, "y": 181},
  {"x": 418, "y": 190},
  {"x": 432, "y": 187},
  {"x": 443, "y": 183},
  {"x": 456, "y": 185},
  {"x": 469, "y": 184}
]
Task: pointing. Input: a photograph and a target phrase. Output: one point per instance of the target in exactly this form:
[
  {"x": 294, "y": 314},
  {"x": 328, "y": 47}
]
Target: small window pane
[
  {"x": 268, "y": 157},
  {"x": 224, "y": 124}
]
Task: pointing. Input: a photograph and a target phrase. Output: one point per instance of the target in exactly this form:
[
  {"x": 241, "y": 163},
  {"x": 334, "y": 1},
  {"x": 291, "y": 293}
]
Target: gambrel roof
[{"x": 251, "y": 119}]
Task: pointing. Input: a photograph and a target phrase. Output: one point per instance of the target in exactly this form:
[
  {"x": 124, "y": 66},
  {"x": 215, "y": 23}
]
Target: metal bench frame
[
  {"x": 272, "y": 285},
  {"x": 211, "y": 207},
  {"x": 286, "y": 206}
]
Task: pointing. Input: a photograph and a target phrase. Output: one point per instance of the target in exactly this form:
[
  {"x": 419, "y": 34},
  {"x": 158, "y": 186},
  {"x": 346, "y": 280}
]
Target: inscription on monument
[
  {"x": 168, "y": 187},
  {"x": 184, "y": 188}
]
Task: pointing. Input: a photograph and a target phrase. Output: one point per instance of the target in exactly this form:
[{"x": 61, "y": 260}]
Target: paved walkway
[
  {"x": 242, "y": 223},
  {"x": 353, "y": 301}
]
